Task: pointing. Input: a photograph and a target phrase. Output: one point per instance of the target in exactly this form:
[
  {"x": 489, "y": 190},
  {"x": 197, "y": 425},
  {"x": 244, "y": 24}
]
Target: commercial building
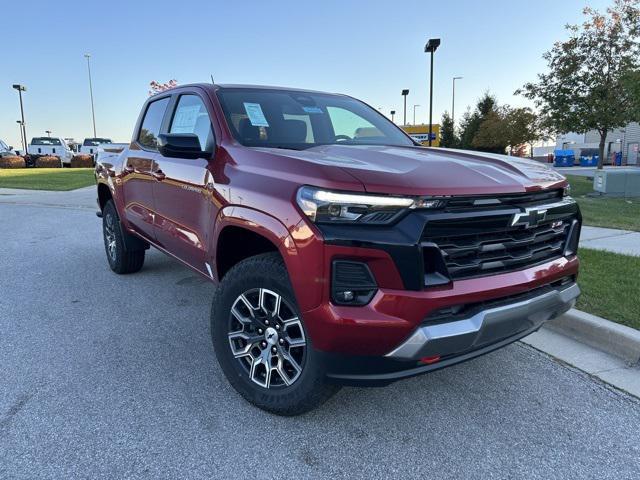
[{"x": 625, "y": 140}]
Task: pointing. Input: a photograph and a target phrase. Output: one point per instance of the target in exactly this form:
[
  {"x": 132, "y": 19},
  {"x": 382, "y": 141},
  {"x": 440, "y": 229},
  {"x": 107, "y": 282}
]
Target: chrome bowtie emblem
[{"x": 529, "y": 218}]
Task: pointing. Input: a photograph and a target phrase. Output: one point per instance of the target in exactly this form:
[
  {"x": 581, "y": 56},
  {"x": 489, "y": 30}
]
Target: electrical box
[{"x": 617, "y": 183}]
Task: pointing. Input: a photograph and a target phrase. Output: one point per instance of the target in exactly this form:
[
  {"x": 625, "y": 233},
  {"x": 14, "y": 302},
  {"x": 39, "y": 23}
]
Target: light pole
[
  {"x": 431, "y": 47},
  {"x": 20, "y": 89},
  {"x": 405, "y": 92},
  {"x": 414, "y": 113},
  {"x": 453, "y": 100},
  {"x": 393, "y": 112},
  {"x": 24, "y": 145},
  {"x": 93, "y": 113},
  {"x": 48, "y": 132}
]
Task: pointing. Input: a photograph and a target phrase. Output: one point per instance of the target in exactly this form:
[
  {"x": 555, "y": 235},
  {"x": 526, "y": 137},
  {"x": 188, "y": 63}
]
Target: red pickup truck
[{"x": 342, "y": 251}]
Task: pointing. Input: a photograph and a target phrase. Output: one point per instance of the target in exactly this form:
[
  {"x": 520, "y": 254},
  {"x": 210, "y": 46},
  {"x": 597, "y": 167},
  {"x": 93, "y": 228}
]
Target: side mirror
[{"x": 181, "y": 145}]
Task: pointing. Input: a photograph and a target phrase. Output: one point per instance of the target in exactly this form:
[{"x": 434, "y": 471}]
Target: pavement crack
[{"x": 14, "y": 409}]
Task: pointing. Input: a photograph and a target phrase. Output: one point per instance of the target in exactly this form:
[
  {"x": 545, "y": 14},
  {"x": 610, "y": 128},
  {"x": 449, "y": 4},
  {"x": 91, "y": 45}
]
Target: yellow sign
[{"x": 420, "y": 133}]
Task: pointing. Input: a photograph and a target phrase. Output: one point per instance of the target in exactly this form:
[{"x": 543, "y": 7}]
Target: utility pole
[
  {"x": 24, "y": 144},
  {"x": 414, "y": 113},
  {"x": 93, "y": 113}
]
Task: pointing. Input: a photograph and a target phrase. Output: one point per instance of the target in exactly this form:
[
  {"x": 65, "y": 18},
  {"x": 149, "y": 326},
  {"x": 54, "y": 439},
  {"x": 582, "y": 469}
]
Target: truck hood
[{"x": 432, "y": 171}]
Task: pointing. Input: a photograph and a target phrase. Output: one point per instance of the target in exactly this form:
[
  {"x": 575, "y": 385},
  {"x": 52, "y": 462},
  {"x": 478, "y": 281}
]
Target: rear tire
[
  {"x": 262, "y": 347},
  {"x": 120, "y": 259}
]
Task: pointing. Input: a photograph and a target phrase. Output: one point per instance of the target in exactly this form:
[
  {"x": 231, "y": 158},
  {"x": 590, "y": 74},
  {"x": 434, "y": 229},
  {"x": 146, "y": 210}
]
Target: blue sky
[{"x": 368, "y": 49}]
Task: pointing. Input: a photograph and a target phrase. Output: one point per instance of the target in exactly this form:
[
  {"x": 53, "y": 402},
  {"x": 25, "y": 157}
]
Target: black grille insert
[{"x": 468, "y": 255}]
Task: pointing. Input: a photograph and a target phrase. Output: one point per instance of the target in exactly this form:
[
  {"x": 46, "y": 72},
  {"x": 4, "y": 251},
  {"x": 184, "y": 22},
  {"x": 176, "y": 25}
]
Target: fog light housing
[{"x": 352, "y": 283}]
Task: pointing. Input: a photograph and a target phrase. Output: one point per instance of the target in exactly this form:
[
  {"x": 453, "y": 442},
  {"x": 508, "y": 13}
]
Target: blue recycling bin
[
  {"x": 618, "y": 159},
  {"x": 563, "y": 158},
  {"x": 591, "y": 161}
]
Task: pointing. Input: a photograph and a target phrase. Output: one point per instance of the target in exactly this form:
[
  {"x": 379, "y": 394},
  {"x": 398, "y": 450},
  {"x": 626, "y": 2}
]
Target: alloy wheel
[
  {"x": 267, "y": 339},
  {"x": 110, "y": 236}
]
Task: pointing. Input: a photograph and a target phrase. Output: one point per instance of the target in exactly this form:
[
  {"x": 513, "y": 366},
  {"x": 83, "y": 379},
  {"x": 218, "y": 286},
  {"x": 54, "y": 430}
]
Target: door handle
[{"x": 159, "y": 175}]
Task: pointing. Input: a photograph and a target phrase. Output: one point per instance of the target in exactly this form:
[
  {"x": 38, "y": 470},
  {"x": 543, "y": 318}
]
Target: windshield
[
  {"x": 45, "y": 141},
  {"x": 94, "y": 142},
  {"x": 297, "y": 120}
]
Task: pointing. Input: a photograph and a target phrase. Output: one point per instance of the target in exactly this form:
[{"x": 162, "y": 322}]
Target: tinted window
[
  {"x": 191, "y": 117},
  {"x": 45, "y": 141},
  {"x": 152, "y": 122},
  {"x": 297, "y": 120},
  {"x": 94, "y": 142}
]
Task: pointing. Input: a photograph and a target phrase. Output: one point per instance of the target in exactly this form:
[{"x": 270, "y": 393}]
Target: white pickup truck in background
[
  {"x": 90, "y": 145},
  {"x": 51, "y": 146},
  {"x": 6, "y": 150}
]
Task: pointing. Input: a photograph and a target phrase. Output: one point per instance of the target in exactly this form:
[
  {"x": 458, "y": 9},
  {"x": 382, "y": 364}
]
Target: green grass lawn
[
  {"x": 609, "y": 284},
  {"x": 47, "y": 178},
  {"x": 607, "y": 212}
]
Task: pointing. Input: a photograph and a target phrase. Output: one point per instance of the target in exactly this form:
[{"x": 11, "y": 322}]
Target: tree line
[{"x": 592, "y": 83}]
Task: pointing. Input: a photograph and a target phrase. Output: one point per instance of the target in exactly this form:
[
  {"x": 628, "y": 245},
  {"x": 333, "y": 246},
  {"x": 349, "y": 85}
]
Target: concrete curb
[{"x": 615, "y": 339}]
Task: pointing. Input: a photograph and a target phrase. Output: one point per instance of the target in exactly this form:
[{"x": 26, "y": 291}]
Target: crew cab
[
  {"x": 342, "y": 251},
  {"x": 90, "y": 145},
  {"x": 50, "y": 146}
]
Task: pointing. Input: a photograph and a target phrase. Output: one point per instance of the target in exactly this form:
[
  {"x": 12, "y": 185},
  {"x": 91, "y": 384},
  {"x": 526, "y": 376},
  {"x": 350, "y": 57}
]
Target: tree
[
  {"x": 522, "y": 127},
  {"x": 156, "y": 87},
  {"x": 593, "y": 77},
  {"x": 448, "y": 138},
  {"x": 492, "y": 134},
  {"x": 472, "y": 119}
]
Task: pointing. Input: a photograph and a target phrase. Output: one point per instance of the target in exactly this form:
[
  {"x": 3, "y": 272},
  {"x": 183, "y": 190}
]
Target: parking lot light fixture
[
  {"x": 431, "y": 47},
  {"x": 393, "y": 113},
  {"x": 405, "y": 92},
  {"x": 48, "y": 132},
  {"x": 453, "y": 100},
  {"x": 20, "y": 89}
]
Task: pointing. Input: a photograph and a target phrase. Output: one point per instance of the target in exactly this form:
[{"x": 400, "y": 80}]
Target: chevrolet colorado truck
[{"x": 343, "y": 252}]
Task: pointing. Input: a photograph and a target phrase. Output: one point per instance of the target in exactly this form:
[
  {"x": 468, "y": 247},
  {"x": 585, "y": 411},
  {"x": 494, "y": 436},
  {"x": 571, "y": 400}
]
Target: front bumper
[
  {"x": 454, "y": 341},
  {"x": 486, "y": 327}
]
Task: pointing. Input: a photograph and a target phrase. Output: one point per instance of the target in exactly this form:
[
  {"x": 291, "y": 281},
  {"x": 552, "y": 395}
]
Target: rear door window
[{"x": 148, "y": 136}]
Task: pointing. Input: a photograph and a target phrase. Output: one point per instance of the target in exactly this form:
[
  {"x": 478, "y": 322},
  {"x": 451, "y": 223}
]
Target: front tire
[
  {"x": 120, "y": 259},
  {"x": 260, "y": 340}
]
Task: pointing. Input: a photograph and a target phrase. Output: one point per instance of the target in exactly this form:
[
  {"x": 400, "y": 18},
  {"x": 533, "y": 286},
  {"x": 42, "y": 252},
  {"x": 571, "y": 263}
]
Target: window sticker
[
  {"x": 312, "y": 109},
  {"x": 185, "y": 119},
  {"x": 255, "y": 114}
]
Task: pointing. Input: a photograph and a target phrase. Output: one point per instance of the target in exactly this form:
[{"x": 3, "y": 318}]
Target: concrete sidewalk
[{"x": 619, "y": 241}]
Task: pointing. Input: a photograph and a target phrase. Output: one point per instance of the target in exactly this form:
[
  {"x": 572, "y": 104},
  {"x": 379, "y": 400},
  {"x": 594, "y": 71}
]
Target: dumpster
[
  {"x": 563, "y": 158},
  {"x": 589, "y": 161}
]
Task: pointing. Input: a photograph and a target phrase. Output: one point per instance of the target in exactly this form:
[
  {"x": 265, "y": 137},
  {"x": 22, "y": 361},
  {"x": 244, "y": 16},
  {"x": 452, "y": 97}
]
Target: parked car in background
[
  {"x": 50, "y": 146},
  {"x": 344, "y": 252},
  {"x": 6, "y": 150},
  {"x": 90, "y": 145}
]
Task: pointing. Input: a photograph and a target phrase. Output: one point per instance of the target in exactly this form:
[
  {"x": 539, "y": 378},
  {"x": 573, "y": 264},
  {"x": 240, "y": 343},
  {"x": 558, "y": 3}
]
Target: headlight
[
  {"x": 343, "y": 207},
  {"x": 566, "y": 191}
]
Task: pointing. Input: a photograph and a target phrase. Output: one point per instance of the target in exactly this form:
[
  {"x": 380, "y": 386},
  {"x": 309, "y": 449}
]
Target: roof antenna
[{"x": 212, "y": 82}]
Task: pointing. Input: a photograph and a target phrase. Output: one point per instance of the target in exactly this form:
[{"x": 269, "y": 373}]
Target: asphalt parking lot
[{"x": 105, "y": 376}]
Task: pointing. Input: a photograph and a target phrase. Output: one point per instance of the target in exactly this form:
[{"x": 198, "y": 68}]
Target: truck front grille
[{"x": 468, "y": 255}]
